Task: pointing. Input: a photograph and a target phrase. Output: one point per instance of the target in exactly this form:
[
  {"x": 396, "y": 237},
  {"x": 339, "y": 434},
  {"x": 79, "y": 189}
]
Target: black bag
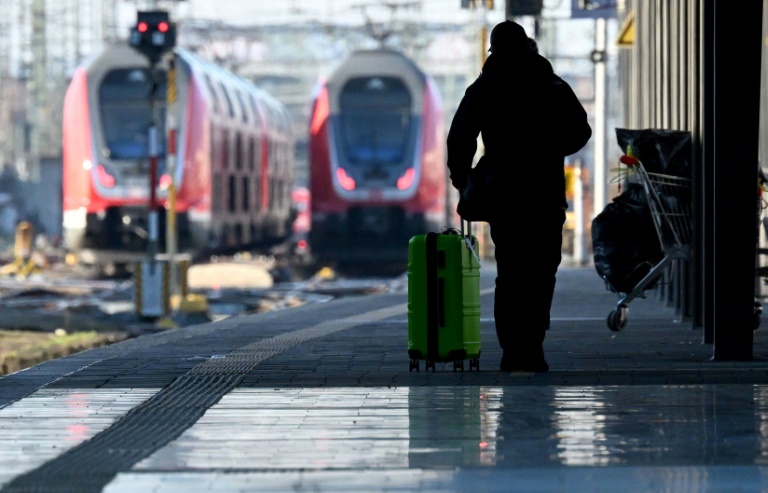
[
  {"x": 661, "y": 151},
  {"x": 476, "y": 199},
  {"x": 624, "y": 241}
]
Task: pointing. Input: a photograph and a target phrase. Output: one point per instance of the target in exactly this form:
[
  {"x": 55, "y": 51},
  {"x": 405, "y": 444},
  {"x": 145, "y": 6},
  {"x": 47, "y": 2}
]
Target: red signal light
[{"x": 153, "y": 35}]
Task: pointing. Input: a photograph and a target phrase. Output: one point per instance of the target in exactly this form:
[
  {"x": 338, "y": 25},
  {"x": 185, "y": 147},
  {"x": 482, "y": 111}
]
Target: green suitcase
[{"x": 443, "y": 300}]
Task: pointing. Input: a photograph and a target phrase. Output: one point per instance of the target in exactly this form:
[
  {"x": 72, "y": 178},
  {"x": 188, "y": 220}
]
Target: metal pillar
[
  {"x": 171, "y": 227},
  {"x": 38, "y": 92},
  {"x": 705, "y": 183},
  {"x": 152, "y": 243},
  {"x": 599, "y": 137},
  {"x": 733, "y": 83}
]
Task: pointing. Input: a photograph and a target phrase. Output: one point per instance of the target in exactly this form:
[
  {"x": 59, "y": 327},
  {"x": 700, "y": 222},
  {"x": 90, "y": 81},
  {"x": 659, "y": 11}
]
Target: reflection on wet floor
[
  {"x": 50, "y": 421},
  {"x": 579, "y": 421},
  {"x": 675, "y": 433},
  {"x": 694, "y": 438}
]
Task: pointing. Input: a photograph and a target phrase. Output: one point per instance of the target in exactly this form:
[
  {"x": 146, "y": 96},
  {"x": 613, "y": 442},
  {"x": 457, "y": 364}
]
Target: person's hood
[{"x": 517, "y": 66}]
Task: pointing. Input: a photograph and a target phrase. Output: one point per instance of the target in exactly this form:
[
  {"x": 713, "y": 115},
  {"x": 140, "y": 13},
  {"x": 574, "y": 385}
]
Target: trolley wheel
[
  {"x": 429, "y": 364},
  {"x": 458, "y": 365},
  {"x": 474, "y": 363},
  {"x": 618, "y": 318},
  {"x": 414, "y": 365}
]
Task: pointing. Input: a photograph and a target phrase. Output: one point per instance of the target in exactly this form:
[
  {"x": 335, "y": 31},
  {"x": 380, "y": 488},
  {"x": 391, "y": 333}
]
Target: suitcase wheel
[
  {"x": 414, "y": 365},
  {"x": 458, "y": 365},
  {"x": 474, "y": 363}
]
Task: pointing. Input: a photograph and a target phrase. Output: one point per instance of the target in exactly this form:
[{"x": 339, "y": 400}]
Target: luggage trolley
[{"x": 670, "y": 203}]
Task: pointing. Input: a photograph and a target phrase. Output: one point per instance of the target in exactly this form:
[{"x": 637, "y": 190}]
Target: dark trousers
[{"x": 528, "y": 252}]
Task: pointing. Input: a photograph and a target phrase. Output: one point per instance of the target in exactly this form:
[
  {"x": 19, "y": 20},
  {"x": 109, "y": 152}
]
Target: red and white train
[
  {"x": 234, "y": 155},
  {"x": 377, "y": 170}
]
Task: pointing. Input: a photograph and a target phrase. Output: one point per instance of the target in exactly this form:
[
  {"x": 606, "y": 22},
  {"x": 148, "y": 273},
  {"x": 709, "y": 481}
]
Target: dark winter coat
[{"x": 529, "y": 119}]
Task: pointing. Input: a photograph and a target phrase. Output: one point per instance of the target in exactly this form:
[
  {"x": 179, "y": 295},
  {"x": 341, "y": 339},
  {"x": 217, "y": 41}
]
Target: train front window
[
  {"x": 375, "y": 120},
  {"x": 126, "y": 112}
]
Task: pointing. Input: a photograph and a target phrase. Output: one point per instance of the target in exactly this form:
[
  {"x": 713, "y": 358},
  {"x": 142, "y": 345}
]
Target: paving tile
[
  {"x": 338, "y": 409},
  {"x": 46, "y": 423}
]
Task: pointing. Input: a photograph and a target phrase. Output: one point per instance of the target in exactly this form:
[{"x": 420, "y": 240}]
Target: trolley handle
[{"x": 468, "y": 239}]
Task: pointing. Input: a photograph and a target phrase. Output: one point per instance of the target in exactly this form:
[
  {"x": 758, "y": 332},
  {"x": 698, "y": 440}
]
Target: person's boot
[{"x": 531, "y": 361}]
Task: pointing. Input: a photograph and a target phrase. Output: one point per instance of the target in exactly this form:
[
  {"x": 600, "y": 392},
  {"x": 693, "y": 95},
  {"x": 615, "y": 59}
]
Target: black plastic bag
[
  {"x": 661, "y": 151},
  {"x": 625, "y": 244}
]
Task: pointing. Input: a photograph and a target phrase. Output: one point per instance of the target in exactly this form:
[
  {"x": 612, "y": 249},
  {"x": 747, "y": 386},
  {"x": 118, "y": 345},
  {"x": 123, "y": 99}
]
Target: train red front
[
  {"x": 377, "y": 169},
  {"x": 234, "y": 172}
]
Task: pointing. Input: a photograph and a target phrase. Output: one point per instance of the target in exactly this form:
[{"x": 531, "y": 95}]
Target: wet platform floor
[
  {"x": 321, "y": 400},
  {"x": 520, "y": 438}
]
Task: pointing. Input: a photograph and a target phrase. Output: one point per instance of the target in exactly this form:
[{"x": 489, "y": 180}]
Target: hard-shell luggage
[{"x": 443, "y": 300}]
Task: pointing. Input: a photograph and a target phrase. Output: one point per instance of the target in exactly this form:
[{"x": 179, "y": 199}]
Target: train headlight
[
  {"x": 105, "y": 179},
  {"x": 165, "y": 182},
  {"x": 346, "y": 181},
  {"x": 405, "y": 181},
  {"x": 75, "y": 218}
]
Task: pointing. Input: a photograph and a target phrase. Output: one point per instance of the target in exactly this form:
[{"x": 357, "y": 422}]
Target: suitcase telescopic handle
[{"x": 468, "y": 239}]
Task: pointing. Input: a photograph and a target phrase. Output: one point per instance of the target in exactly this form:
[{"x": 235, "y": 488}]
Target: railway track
[{"x": 74, "y": 298}]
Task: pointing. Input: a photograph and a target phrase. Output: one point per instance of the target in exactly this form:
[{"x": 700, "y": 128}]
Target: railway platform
[{"x": 320, "y": 398}]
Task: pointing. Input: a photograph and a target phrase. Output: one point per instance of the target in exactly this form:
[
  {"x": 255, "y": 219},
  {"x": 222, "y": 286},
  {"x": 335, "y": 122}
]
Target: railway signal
[{"x": 153, "y": 35}]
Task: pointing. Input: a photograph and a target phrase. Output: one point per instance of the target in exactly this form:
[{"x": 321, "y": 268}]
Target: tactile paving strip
[{"x": 162, "y": 418}]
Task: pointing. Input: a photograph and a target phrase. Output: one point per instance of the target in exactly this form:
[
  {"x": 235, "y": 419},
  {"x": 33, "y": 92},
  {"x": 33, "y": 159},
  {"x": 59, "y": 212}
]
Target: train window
[
  {"x": 256, "y": 194},
  {"x": 241, "y": 104},
  {"x": 224, "y": 149},
  {"x": 212, "y": 93},
  {"x": 257, "y": 153},
  {"x": 232, "y": 193},
  {"x": 252, "y": 152},
  {"x": 238, "y": 151},
  {"x": 125, "y": 97},
  {"x": 375, "y": 120},
  {"x": 254, "y": 109},
  {"x": 272, "y": 191},
  {"x": 218, "y": 195},
  {"x": 213, "y": 145},
  {"x": 246, "y": 195},
  {"x": 230, "y": 106}
]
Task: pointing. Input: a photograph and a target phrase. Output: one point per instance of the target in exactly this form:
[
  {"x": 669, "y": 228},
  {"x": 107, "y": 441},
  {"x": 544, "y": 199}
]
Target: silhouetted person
[{"x": 529, "y": 120}]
